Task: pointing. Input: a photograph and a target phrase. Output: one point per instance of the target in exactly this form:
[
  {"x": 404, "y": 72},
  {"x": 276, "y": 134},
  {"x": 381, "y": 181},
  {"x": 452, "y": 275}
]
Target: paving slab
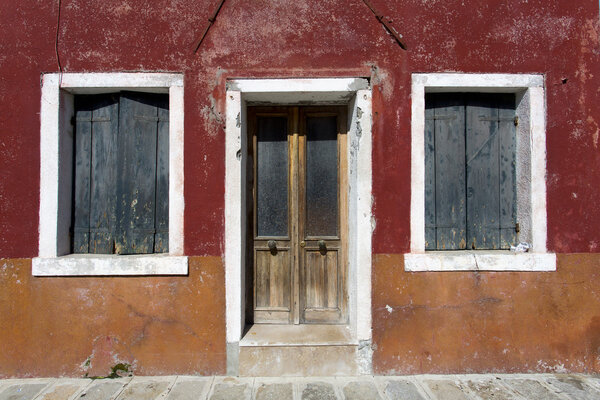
[
  {"x": 319, "y": 391},
  {"x": 231, "y": 388},
  {"x": 593, "y": 380},
  {"x": 146, "y": 389},
  {"x": 64, "y": 389},
  {"x": 104, "y": 389},
  {"x": 190, "y": 389},
  {"x": 490, "y": 389},
  {"x": 274, "y": 391},
  {"x": 443, "y": 389},
  {"x": 361, "y": 391},
  {"x": 574, "y": 387},
  {"x": 401, "y": 389},
  {"x": 531, "y": 389},
  {"x": 23, "y": 391}
]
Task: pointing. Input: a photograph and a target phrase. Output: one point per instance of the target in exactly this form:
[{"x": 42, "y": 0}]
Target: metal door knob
[
  {"x": 322, "y": 247},
  {"x": 272, "y": 246}
]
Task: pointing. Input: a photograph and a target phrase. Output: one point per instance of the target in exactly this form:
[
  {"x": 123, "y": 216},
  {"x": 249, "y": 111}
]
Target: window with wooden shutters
[
  {"x": 121, "y": 174},
  {"x": 470, "y": 171}
]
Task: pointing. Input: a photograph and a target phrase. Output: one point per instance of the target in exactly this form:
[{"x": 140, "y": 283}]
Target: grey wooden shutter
[
  {"x": 121, "y": 174},
  {"x": 445, "y": 206},
  {"x": 143, "y": 204},
  {"x": 490, "y": 166},
  {"x": 470, "y": 162},
  {"x": 96, "y": 127}
]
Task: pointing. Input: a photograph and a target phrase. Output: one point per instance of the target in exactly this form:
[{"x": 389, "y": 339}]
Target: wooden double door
[{"x": 299, "y": 214}]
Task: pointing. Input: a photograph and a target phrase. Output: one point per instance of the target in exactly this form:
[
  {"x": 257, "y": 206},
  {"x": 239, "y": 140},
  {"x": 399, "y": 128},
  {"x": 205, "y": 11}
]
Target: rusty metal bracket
[
  {"x": 381, "y": 18},
  {"x": 211, "y": 20}
]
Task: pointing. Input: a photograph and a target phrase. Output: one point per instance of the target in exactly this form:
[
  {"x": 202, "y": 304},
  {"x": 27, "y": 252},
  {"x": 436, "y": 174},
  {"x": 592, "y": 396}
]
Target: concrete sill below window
[
  {"x": 110, "y": 265},
  {"x": 479, "y": 261}
]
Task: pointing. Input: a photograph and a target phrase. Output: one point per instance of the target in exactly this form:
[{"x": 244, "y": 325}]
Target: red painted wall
[{"x": 304, "y": 38}]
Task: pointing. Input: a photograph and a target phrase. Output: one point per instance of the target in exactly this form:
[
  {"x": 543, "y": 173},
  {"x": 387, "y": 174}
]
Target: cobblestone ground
[{"x": 422, "y": 387}]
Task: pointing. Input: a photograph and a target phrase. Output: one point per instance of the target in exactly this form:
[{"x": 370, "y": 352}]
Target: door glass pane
[
  {"x": 272, "y": 176},
  {"x": 321, "y": 176}
]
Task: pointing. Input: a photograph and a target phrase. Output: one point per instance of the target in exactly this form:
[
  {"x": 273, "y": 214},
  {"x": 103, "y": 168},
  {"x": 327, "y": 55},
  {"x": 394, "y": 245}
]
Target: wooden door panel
[
  {"x": 322, "y": 287},
  {"x": 321, "y": 280},
  {"x": 273, "y": 278},
  {"x": 273, "y": 285}
]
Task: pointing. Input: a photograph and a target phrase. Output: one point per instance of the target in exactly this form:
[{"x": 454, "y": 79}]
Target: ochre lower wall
[
  {"x": 461, "y": 322},
  {"x": 73, "y": 326},
  {"x": 423, "y": 322}
]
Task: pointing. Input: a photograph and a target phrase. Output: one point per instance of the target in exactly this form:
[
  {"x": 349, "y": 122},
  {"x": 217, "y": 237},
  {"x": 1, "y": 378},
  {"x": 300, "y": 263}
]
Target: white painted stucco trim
[
  {"x": 55, "y": 170},
  {"x": 479, "y": 261},
  {"x": 325, "y": 85},
  {"x": 531, "y": 165},
  {"x": 233, "y": 217},
  {"x": 111, "y": 265},
  {"x": 353, "y": 91}
]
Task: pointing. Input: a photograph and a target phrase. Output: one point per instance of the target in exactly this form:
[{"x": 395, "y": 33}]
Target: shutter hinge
[{"x": 516, "y": 120}]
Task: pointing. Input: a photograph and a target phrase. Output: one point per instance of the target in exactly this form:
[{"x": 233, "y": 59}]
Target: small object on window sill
[{"x": 522, "y": 247}]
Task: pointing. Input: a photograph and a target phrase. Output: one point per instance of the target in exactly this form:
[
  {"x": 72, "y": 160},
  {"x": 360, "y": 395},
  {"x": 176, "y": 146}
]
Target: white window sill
[
  {"x": 479, "y": 261},
  {"x": 110, "y": 265}
]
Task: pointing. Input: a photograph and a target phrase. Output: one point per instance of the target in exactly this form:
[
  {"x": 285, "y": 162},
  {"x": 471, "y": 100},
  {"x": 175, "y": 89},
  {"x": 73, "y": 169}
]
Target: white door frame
[{"x": 356, "y": 94}]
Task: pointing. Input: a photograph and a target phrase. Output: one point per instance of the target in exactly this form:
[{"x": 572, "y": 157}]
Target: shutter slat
[
  {"x": 82, "y": 161},
  {"x": 508, "y": 162},
  {"x": 430, "y": 236},
  {"x": 103, "y": 175},
  {"x": 449, "y": 172},
  {"x": 161, "y": 238}
]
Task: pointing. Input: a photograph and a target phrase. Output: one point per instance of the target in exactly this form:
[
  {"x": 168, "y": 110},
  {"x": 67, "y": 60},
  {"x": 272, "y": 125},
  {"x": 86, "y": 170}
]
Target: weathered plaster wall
[
  {"x": 278, "y": 38},
  {"x": 471, "y": 322},
  {"x": 307, "y": 38},
  {"x": 78, "y": 326}
]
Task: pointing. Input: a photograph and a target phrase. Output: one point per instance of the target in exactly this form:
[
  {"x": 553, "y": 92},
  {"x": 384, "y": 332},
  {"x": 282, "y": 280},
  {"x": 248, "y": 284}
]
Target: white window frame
[
  {"x": 56, "y": 155},
  {"x": 531, "y": 175}
]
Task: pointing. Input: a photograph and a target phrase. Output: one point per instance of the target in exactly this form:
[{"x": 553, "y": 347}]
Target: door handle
[
  {"x": 322, "y": 247},
  {"x": 272, "y": 246}
]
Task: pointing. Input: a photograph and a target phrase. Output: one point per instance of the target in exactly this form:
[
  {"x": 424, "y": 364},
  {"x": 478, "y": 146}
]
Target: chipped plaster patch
[
  {"x": 558, "y": 368},
  {"x": 108, "y": 358},
  {"x": 536, "y": 28}
]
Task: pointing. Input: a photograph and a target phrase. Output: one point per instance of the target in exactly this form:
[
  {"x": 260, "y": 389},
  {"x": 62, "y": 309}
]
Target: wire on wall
[{"x": 60, "y": 70}]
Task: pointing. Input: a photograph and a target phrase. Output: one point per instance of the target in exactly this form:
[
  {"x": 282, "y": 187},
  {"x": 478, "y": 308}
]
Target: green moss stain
[{"x": 118, "y": 371}]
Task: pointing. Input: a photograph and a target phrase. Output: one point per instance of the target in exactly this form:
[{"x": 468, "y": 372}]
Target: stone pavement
[{"x": 421, "y": 387}]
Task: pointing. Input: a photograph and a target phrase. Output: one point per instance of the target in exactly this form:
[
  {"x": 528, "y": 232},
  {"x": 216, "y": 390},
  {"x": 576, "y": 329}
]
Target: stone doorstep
[
  {"x": 298, "y": 350},
  {"x": 288, "y": 361}
]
